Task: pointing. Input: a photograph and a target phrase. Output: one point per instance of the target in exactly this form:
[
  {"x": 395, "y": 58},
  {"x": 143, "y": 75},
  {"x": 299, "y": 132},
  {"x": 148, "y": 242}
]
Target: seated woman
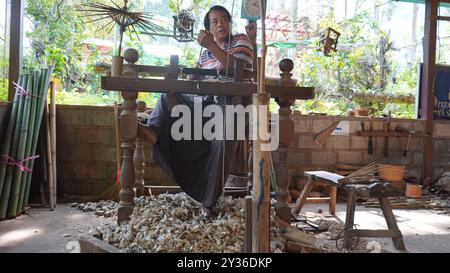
[{"x": 197, "y": 165}]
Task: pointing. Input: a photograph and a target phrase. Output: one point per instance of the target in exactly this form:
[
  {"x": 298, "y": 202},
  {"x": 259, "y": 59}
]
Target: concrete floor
[
  {"x": 51, "y": 231},
  {"x": 45, "y": 231}
]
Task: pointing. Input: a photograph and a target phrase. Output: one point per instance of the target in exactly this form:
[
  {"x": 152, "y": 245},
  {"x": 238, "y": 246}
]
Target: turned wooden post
[
  {"x": 286, "y": 138},
  {"x": 128, "y": 133},
  {"x": 139, "y": 158}
]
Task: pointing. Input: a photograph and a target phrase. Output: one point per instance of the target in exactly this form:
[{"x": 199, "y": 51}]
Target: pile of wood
[
  {"x": 20, "y": 142},
  {"x": 411, "y": 203}
]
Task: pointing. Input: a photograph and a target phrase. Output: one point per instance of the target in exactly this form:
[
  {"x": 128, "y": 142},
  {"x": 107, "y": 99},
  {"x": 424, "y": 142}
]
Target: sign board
[{"x": 342, "y": 129}]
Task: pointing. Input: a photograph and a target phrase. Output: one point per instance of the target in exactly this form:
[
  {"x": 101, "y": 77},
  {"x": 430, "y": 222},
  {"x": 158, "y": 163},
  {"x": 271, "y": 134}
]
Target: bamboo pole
[
  {"x": 53, "y": 141},
  {"x": 15, "y": 189},
  {"x": 51, "y": 189},
  {"x": 13, "y": 153},
  {"x": 6, "y": 147},
  {"x": 27, "y": 164},
  {"x": 42, "y": 100}
]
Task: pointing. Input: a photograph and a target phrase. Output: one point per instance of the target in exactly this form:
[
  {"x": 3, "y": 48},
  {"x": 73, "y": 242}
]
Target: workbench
[{"x": 381, "y": 190}]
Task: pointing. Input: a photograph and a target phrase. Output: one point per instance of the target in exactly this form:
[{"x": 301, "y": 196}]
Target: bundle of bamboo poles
[
  {"x": 366, "y": 174},
  {"x": 20, "y": 142}
]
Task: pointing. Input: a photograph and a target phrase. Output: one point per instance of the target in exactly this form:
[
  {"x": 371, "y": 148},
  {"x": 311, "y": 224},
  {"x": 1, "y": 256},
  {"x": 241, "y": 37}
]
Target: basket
[
  {"x": 391, "y": 172},
  {"x": 236, "y": 181}
]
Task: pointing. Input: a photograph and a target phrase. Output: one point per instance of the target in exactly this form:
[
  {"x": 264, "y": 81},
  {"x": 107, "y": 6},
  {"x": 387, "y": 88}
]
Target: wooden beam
[
  {"x": 203, "y": 88},
  {"x": 15, "y": 45},
  {"x": 428, "y": 76}
]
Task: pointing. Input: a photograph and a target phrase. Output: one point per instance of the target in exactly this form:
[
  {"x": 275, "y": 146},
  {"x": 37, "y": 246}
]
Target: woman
[{"x": 197, "y": 165}]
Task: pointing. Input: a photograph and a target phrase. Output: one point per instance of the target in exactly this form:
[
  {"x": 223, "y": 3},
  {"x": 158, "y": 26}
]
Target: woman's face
[{"x": 219, "y": 25}]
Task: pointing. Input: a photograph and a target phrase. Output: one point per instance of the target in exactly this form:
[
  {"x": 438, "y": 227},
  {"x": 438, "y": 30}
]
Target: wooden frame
[{"x": 129, "y": 84}]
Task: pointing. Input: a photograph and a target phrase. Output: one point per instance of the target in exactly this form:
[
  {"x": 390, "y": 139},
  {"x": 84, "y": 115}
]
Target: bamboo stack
[
  {"x": 20, "y": 143},
  {"x": 365, "y": 175}
]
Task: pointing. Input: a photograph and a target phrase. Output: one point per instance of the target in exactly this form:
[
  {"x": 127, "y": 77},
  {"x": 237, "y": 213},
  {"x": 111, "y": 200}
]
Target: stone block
[
  {"x": 338, "y": 143},
  {"x": 417, "y": 159},
  {"x": 101, "y": 118},
  {"x": 67, "y": 134},
  {"x": 299, "y": 157},
  {"x": 358, "y": 143},
  {"x": 306, "y": 142},
  {"x": 353, "y": 157},
  {"x": 321, "y": 124},
  {"x": 439, "y": 145},
  {"x": 323, "y": 158},
  {"x": 442, "y": 129},
  {"x": 302, "y": 125},
  {"x": 72, "y": 117}
]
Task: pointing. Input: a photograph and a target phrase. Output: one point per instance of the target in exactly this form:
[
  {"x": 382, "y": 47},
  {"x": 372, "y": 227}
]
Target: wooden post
[
  {"x": 128, "y": 133},
  {"x": 139, "y": 159},
  {"x": 248, "y": 224},
  {"x": 261, "y": 185},
  {"x": 428, "y": 77},
  {"x": 15, "y": 45},
  {"x": 286, "y": 138}
]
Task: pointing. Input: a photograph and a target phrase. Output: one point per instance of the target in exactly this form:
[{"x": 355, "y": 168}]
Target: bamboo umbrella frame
[
  {"x": 17, "y": 174},
  {"x": 41, "y": 101},
  {"x": 6, "y": 148},
  {"x": 123, "y": 17},
  {"x": 13, "y": 154}
]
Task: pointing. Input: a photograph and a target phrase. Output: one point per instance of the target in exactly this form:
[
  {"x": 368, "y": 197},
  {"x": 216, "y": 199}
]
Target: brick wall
[
  {"x": 352, "y": 149},
  {"x": 86, "y": 149},
  {"x": 86, "y": 154}
]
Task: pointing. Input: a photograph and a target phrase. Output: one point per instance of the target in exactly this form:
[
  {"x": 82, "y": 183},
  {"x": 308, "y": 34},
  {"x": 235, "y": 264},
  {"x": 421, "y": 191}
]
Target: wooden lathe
[{"x": 125, "y": 79}]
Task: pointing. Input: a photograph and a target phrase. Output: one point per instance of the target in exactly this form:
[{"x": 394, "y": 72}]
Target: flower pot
[{"x": 413, "y": 190}]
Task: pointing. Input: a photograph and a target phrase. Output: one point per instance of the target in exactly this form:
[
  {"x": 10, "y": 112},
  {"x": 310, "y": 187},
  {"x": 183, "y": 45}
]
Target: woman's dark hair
[{"x": 206, "y": 22}]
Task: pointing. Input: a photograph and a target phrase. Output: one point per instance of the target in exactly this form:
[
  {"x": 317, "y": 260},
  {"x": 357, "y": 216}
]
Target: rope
[
  {"x": 340, "y": 236},
  {"x": 11, "y": 161}
]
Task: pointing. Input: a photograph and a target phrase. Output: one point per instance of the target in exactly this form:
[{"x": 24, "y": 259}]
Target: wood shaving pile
[{"x": 174, "y": 223}]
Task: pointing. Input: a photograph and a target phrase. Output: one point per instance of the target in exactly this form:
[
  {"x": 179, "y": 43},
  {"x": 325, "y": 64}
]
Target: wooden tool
[
  {"x": 322, "y": 137},
  {"x": 386, "y": 128},
  {"x": 370, "y": 144},
  {"x": 408, "y": 142}
]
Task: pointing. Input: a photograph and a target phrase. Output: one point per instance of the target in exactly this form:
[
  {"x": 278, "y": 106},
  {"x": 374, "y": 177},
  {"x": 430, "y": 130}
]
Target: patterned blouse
[{"x": 240, "y": 47}]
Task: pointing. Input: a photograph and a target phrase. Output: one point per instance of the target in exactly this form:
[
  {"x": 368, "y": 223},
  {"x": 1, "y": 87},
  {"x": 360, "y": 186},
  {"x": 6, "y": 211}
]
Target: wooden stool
[
  {"x": 327, "y": 178},
  {"x": 381, "y": 190}
]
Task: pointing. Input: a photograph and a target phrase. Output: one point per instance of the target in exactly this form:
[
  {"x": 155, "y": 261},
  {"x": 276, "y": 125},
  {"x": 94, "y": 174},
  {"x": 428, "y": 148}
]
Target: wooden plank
[
  {"x": 391, "y": 222},
  {"x": 349, "y": 218},
  {"x": 295, "y": 247},
  {"x": 333, "y": 199},
  {"x": 15, "y": 45},
  {"x": 296, "y": 235},
  {"x": 317, "y": 200},
  {"x": 382, "y": 134},
  {"x": 428, "y": 75},
  {"x": 248, "y": 224},
  {"x": 327, "y": 176},
  {"x": 371, "y": 233},
  {"x": 202, "y": 88},
  {"x": 301, "y": 200}
]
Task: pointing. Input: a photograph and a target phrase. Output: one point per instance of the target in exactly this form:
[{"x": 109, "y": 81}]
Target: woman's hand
[
  {"x": 251, "y": 31},
  {"x": 206, "y": 39}
]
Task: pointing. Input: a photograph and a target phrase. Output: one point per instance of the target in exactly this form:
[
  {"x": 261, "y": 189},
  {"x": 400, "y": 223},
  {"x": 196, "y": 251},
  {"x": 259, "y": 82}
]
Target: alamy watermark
[{"x": 222, "y": 126}]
